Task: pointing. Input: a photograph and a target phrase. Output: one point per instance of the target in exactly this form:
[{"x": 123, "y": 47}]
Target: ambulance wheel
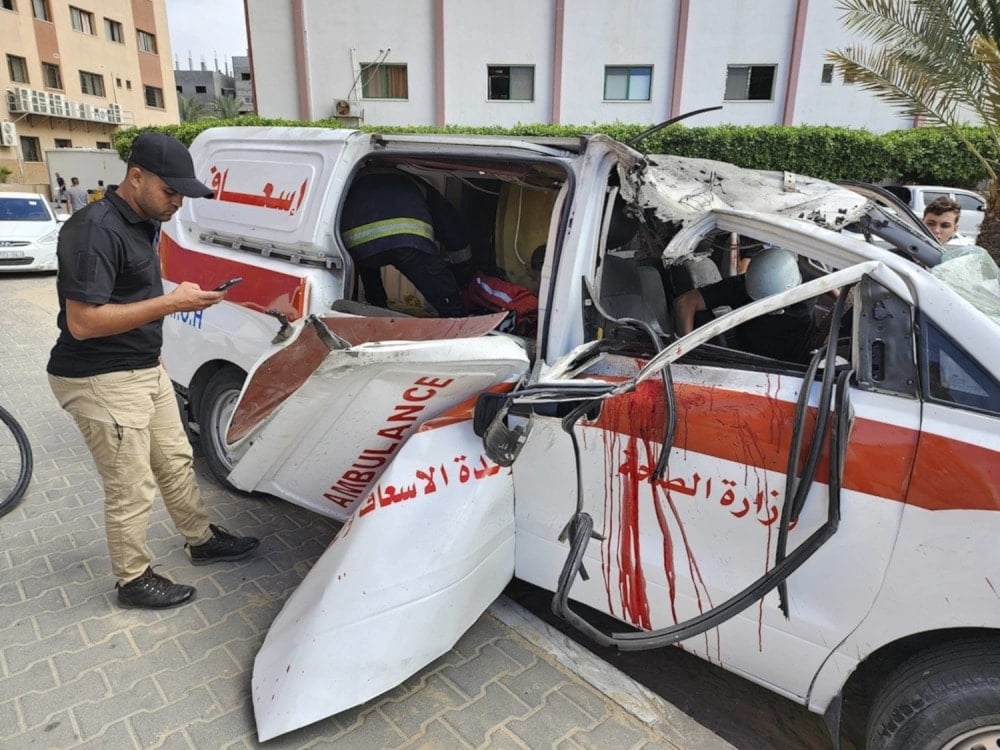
[
  {"x": 947, "y": 698},
  {"x": 214, "y": 411}
]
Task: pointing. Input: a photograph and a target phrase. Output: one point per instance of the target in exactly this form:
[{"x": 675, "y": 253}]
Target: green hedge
[{"x": 923, "y": 155}]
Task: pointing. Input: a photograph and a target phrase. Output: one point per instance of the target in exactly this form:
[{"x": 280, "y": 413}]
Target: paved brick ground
[{"x": 76, "y": 671}]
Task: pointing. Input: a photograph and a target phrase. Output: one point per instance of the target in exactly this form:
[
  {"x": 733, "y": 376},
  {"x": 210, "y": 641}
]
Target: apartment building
[
  {"x": 479, "y": 62},
  {"x": 75, "y": 71}
]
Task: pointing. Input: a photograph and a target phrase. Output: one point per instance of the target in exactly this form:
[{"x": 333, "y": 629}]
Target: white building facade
[{"x": 578, "y": 62}]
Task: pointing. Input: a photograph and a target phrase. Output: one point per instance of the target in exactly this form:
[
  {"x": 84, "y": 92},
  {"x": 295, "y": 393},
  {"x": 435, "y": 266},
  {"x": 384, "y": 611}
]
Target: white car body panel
[{"x": 673, "y": 548}]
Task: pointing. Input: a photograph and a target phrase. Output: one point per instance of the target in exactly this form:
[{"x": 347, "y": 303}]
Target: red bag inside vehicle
[{"x": 487, "y": 294}]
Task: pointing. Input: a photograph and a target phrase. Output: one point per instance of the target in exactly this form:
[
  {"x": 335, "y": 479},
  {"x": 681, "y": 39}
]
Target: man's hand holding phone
[{"x": 226, "y": 284}]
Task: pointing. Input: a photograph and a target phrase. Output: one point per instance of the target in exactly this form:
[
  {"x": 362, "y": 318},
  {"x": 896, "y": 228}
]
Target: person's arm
[
  {"x": 87, "y": 321},
  {"x": 685, "y": 307}
]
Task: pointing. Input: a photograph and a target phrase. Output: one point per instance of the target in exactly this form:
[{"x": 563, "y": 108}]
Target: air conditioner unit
[
  {"x": 22, "y": 98},
  {"x": 101, "y": 114},
  {"x": 39, "y": 103},
  {"x": 86, "y": 111},
  {"x": 114, "y": 113},
  {"x": 8, "y": 133},
  {"x": 347, "y": 108},
  {"x": 57, "y": 104}
]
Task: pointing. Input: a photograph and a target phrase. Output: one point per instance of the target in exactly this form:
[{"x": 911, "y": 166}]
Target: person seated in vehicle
[
  {"x": 785, "y": 334},
  {"x": 393, "y": 218},
  {"x": 941, "y": 216}
]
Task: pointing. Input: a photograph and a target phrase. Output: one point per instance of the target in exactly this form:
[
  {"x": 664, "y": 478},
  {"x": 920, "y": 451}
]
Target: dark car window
[
  {"x": 930, "y": 195},
  {"x": 969, "y": 202},
  {"x": 23, "y": 209},
  {"x": 952, "y": 376}
]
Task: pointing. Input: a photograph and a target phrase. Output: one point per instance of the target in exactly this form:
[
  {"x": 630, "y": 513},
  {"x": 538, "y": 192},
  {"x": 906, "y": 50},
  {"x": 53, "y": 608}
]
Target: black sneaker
[
  {"x": 221, "y": 547},
  {"x": 152, "y": 591}
]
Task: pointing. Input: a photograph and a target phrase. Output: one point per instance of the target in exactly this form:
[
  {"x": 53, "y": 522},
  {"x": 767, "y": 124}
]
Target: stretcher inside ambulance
[{"x": 818, "y": 526}]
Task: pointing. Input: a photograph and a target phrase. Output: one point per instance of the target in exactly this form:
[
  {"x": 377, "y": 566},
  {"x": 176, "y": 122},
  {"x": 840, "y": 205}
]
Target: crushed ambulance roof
[{"x": 677, "y": 188}]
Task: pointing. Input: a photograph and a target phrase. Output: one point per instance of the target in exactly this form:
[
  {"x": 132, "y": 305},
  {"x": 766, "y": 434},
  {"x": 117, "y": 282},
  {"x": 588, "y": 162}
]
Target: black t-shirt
[
  {"x": 786, "y": 335},
  {"x": 106, "y": 256}
]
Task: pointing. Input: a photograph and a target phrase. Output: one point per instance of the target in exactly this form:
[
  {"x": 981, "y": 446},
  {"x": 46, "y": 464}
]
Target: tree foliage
[
  {"x": 938, "y": 60},
  {"x": 226, "y": 107},
  {"x": 191, "y": 109}
]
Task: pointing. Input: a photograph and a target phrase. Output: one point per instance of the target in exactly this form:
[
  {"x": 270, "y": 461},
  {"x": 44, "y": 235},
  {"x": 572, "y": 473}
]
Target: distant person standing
[
  {"x": 76, "y": 196},
  {"x": 60, "y": 189}
]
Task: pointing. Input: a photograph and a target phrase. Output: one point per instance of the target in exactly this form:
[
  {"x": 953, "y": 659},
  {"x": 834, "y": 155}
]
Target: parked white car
[
  {"x": 918, "y": 196},
  {"x": 29, "y": 230}
]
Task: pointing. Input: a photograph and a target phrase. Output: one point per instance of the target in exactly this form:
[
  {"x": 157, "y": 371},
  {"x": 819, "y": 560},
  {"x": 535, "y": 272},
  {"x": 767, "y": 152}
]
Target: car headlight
[{"x": 49, "y": 238}]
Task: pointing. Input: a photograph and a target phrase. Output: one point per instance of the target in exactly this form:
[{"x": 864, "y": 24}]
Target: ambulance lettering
[
  {"x": 351, "y": 485},
  {"x": 193, "y": 319}
]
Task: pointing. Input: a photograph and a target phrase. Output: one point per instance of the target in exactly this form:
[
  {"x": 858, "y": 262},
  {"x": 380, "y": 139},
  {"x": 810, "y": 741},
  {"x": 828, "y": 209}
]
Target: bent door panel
[
  {"x": 406, "y": 576},
  {"x": 677, "y": 547},
  {"x": 319, "y": 428}
]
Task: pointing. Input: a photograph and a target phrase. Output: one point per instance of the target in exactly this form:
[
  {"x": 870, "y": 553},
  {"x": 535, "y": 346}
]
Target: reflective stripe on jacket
[{"x": 391, "y": 210}]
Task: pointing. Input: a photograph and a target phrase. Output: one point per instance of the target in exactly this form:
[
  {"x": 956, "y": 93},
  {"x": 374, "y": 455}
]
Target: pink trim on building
[
  {"x": 301, "y": 59},
  {"x": 557, "y": 61},
  {"x": 439, "y": 82},
  {"x": 677, "y": 87},
  {"x": 795, "y": 63},
  {"x": 253, "y": 78}
]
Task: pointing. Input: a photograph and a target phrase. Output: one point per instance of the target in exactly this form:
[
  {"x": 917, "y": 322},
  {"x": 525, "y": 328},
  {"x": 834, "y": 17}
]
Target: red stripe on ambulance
[{"x": 263, "y": 289}]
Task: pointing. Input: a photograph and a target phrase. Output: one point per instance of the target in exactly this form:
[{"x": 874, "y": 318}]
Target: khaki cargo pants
[{"x": 132, "y": 426}]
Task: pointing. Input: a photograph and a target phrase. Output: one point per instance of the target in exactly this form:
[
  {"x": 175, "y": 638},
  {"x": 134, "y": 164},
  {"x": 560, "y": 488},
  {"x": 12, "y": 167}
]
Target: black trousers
[{"x": 430, "y": 273}]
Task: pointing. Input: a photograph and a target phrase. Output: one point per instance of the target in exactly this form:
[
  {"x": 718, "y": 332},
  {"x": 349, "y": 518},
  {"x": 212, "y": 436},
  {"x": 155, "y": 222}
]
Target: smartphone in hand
[{"x": 226, "y": 284}]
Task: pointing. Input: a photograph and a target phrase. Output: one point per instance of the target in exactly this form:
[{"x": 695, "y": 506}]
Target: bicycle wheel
[{"x": 15, "y": 461}]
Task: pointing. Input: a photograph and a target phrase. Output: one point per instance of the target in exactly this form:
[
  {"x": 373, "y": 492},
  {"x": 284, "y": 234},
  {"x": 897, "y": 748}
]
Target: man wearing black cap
[{"x": 105, "y": 367}]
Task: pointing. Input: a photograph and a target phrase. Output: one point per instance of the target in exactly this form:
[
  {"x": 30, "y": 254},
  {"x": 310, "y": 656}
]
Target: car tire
[
  {"x": 215, "y": 407},
  {"x": 947, "y": 698}
]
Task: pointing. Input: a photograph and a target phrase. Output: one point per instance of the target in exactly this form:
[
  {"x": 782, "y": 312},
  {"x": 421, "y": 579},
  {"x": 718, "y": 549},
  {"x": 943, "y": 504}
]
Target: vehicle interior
[{"x": 508, "y": 207}]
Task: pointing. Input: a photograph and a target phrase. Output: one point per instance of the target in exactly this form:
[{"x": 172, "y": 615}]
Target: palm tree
[
  {"x": 226, "y": 107},
  {"x": 191, "y": 109},
  {"x": 938, "y": 60}
]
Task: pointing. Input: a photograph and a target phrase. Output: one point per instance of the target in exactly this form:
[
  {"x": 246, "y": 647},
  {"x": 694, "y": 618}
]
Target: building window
[
  {"x": 180, "y": 89},
  {"x": 106, "y": 145},
  {"x": 7, "y": 4},
  {"x": 154, "y": 97},
  {"x": 128, "y": 85},
  {"x": 64, "y": 143},
  {"x": 81, "y": 20},
  {"x": 628, "y": 83},
  {"x": 41, "y": 10},
  {"x": 201, "y": 89},
  {"x": 749, "y": 82},
  {"x": 30, "y": 148},
  {"x": 827, "y": 76},
  {"x": 114, "y": 31},
  {"x": 18, "y": 69},
  {"x": 91, "y": 83},
  {"x": 52, "y": 76},
  {"x": 147, "y": 42},
  {"x": 381, "y": 81},
  {"x": 244, "y": 76},
  {"x": 507, "y": 82}
]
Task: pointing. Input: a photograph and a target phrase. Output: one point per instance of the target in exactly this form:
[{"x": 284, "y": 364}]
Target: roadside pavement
[{"x": 77, "y": 671}]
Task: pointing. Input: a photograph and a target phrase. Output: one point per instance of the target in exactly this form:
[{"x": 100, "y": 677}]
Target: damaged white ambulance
[{"x": 824, "y": 527}]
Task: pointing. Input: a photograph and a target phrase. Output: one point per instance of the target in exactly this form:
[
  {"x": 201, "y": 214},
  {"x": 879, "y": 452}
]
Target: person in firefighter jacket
[{"x": 393, "y": 218}]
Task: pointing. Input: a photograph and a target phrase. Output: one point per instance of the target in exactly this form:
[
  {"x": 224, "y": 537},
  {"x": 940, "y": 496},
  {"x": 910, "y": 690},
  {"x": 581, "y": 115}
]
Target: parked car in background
[
  {"x": 918, "y": 196},
  {"x": 29, "y": 230}
]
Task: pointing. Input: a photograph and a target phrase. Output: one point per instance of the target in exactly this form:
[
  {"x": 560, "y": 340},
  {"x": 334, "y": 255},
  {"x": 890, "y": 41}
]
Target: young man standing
[
  {"x": 76, "y": 196},
  {"x": 941, "y": 216},
  {"x": 105, "y": 368}
]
